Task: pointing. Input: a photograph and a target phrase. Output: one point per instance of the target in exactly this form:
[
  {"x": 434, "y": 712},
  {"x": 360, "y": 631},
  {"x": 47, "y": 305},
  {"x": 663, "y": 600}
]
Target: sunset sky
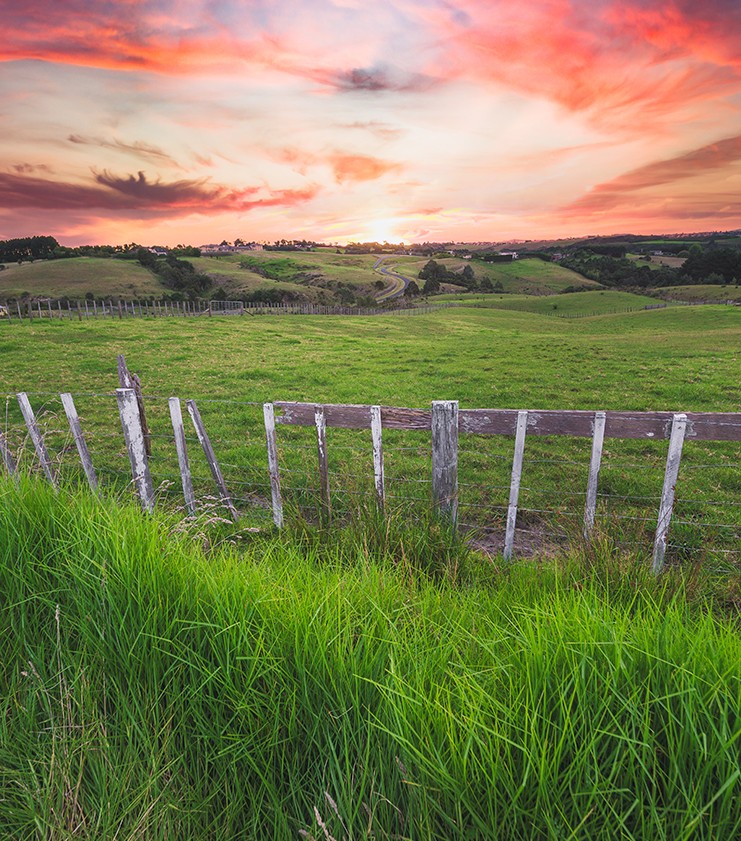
[{"x": 163, "y": 122}]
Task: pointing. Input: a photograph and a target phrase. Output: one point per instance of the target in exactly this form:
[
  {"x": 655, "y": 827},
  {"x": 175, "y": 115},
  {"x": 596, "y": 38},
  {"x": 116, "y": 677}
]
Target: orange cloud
[
  {"x": 359, "y": 167},
  {"x": 611, "y": 194}
]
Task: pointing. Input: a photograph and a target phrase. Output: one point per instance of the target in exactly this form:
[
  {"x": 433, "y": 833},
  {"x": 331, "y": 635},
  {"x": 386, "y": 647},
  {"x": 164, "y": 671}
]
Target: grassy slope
[
  {"x": 701, "y": 292},
  {"x": 573, "y": 303},
  {"x": 124, "y": 279},
  {"x": 151, "y": 692}
]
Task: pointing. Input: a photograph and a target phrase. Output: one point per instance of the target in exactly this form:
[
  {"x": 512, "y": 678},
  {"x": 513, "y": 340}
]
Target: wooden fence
[
  {"x": 446, "y": 423},
  {"x": 20, "y": 311}
]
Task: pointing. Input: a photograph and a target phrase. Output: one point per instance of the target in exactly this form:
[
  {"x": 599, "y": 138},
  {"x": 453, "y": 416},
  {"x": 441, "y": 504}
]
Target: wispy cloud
[
  {"x": 138, "y": 149},
  {"x": 621, "y": 190}
]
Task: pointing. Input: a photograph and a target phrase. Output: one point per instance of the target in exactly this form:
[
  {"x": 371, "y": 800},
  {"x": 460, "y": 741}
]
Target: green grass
[
  {"x": 597, "y": 302},
  {"x": 76, "y": 276},
  {"x": 701, "y": 292},
  {"x": 292, "y": 683},
  {"x": 675, "y": 359}
]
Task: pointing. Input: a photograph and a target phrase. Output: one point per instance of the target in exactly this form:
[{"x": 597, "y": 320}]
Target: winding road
[{"x": 398, "y": 282}]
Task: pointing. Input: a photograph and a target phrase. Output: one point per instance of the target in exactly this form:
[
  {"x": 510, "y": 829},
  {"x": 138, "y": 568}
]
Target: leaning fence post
[
  {"x": 268, "y": 411},
  {"x": 598, "y": 438},
  {"x": 320, "y": 422},
  {"x": 673, "y": 458},
  {"x": 377, "y": 438},
  {"x": 7, "y": 456},
  {"x": 36, "y": 437},
  {"x": 445, "y": 457},
  {"x": 208, "y": 450},
  {"x": 176, "y": 416},
  {"x": 82, "y": 449},
  {"x": 514, "y": 489},
  {"x": 128, "y": 409}
]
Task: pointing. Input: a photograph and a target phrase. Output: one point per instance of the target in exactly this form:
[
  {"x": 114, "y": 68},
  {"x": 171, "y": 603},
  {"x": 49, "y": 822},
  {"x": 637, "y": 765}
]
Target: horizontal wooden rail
[{"x": 701, "y": 426}]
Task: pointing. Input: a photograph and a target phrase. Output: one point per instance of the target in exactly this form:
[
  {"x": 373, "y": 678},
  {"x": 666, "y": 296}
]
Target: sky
[{"x": 194, "y": 121}]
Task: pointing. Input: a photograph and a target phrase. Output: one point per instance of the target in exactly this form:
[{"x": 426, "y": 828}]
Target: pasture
[{"x": 186, "y": 678}]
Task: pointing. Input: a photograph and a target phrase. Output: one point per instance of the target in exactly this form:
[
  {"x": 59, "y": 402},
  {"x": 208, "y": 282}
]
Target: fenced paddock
[
  {"x": 83, "y": 310},
  {"x": 518, "y": 482}
]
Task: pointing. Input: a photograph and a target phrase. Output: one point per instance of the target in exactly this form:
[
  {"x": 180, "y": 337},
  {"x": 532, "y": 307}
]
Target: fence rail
[
  {"x": 267, "y": 465},
  {"x": 64, "y": 309}
]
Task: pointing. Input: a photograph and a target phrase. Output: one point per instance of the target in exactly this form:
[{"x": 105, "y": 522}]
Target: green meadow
[{"x": 366, "y": 676}]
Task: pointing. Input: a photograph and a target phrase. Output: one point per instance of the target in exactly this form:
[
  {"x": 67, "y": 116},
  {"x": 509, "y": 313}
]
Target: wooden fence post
[
  {"x": 37, "y": 438},
  {"x": 181, "y": 445},
  {"x": 82, "y": 449},
  {"x": 211, "y": 457},
  {"x": 128, "y": 380},
  {"x": 514, "y": 490},
  {"x": 445, "y": 457},
  {"x": 128, "y": 409},
  {"x": 268, "y": 411},
  {"x": 377, "y": 439},
  {"x": 321, "y": 441},
  {"x": 598, "y": 438},
  {"x": 7, "y": 456},
  {"x": 673, "y": 458}
]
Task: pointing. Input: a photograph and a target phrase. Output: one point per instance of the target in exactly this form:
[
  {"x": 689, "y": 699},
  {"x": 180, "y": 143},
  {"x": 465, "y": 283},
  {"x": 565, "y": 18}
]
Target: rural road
[{"x": 398, "y": 282}]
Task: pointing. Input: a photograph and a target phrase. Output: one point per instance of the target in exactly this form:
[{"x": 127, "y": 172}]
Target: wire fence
[{"x": 549, "y": 507}]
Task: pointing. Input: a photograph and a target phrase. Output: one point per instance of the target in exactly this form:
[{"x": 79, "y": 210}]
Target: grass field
[
  {"x": 700, "y": 292},
  {"x": 384, "y": 685},
  {"x": 598, "y": 302},
  {"x": 657, "y": 261},
  {"x": 76, "y": 276},
  {"x": 676, "y": 359}
]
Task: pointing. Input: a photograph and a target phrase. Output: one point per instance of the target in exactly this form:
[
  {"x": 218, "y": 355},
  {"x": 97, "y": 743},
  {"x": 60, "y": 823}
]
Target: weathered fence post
[
  {"x": 673, "y": 458},
  {"x": 176, "y": 416},
  {"x": 445, "y": 457},
  {"x": 7, "y": 456},
  {"x": 36, "y": 437},
  {"x": 128, "y": 380},
  {"x": 321, "y": 441},
  {"x": 208, "y": 450},
  {"x": 598, "y": 438},
  {"x": 377, "y": 439},
  {"x": 128, "y": 409},
  {"x": 82, "y": 449},
  {"x": 268, "y": 411},
  {"x": 514, "y": 489}
]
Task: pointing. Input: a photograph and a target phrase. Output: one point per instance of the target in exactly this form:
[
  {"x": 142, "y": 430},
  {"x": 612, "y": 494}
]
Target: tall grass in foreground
[{"x": 350, "y": 688}]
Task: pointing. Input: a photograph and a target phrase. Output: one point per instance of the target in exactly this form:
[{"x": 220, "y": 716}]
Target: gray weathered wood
[
  {"x": 377, "y": 441},
  {"x": 353, "y": 417},
  {"x": 598, "y": 438},
  {"x": 272, "y": 445},
  {"x": 514, "y": 489},
  {"x": 7, "y": 456},
  {"x": 673, "y": 458},
  {"x": 36, "y": 437},
  {"x": 213, "y": 464},
  {"x": 445, "y": 457},
  {"x": 321, "y": 442},
  {"x": 74, "y": 424},
  {"x": 181, "y": 446},
  {"x": 128, "y": 380},
  {"x": 128, "y": 409}
]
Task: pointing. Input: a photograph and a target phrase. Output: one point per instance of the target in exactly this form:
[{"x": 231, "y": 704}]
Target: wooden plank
[
  {"x": 7, "y": 456},
  {"x": 268, "y": 412},
  {"x": 213, "y": 464},
  {"x": 352, "y": 416},
  {"x": 321, "y": 443},
  {"x": 181, "y": 446},
  {"x": 377, "y": 441},
  {"x": 514, "y": 489},
  {"x": 598, "y": 438},
  {"x": 671, "y": 474},
  {"x": 128, "y": 380},
  {"x": 128, "y": 409},
  {"x": 36, "y": 437},
  {"x": 445, "y": 457},
  {"x": 74, "y": 424}
]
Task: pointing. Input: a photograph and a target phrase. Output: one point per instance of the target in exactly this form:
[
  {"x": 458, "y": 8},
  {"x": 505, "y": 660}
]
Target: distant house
[{"x": 512, "y": 254}]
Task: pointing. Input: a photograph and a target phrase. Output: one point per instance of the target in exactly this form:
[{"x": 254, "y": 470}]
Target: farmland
[{"x": 187, "y": 678}]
